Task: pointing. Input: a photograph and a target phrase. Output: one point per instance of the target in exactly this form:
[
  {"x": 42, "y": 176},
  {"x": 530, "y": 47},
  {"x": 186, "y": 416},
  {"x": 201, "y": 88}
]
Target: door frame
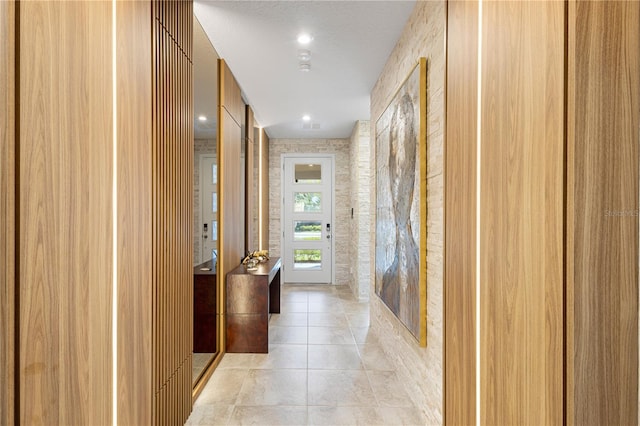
[
  {"x": 201, "y": 179},
  {"x": 332, "y": 157}
]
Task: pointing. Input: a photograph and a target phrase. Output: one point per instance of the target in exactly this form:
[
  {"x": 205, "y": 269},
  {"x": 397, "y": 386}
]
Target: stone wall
[
  {"x": 341, "y": 232},
  {"x": 420, "y": 368},
  {"x": 361, "y": 204}
]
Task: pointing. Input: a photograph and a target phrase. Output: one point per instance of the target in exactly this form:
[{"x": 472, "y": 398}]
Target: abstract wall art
[{"x": 401, "y": 204}]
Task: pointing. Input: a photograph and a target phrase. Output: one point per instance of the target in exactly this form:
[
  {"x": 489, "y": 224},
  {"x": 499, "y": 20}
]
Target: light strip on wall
[
  {"x": 260, "y": 183},
  {"x": 114, "y": 218},
  {"x": 478, "y": 185}
]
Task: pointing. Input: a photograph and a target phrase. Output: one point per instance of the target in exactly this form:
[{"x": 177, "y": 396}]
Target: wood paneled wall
[
  {"x": 250, "y": 193},
  {"x": 231, "y": 110},
  {"x": 602, "y": 224},
  {"x": 65, "y": 204},
  {"x": 460, "y": 218},
  {"x": 57, "y": 157},
  {"x": 263, "y": 199},
  {"x": 560, "y": 116},
  {"x": 521, "y": 195},
  {"x": 8, "y": 223},
  {"x": 172, "y": 212},
  {"x": 135, "y": 222}
]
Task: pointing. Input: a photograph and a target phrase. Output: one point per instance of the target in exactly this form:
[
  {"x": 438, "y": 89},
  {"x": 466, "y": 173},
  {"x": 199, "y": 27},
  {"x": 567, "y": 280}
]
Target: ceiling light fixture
[
  {"x": 202, "y": 118},
  {"x": 304, "y": 38},
  {"x": 305, "y": 66},
  {"x": 306, "y": 117},
  {"x": 304, "y": 54}
]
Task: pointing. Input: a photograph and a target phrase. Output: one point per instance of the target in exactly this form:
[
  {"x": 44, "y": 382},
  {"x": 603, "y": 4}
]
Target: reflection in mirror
[
  {"x": 308, "y": 173},
  {"x": 205, "y": 212}
]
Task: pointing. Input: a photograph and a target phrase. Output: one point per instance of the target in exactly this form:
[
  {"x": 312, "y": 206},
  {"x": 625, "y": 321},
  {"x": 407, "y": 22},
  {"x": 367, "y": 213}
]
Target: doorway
[
  {"x": 308, "y": 218},
  {"x": 209, "y": 206}
]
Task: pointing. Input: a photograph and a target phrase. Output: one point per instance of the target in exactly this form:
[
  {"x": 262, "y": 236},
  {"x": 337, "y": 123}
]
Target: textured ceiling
[{"x": 352, "y": 41}]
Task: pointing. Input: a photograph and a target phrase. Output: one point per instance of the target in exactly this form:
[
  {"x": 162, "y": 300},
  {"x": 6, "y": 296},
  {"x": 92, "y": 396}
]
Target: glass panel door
[{"x": 307, "y": 219}]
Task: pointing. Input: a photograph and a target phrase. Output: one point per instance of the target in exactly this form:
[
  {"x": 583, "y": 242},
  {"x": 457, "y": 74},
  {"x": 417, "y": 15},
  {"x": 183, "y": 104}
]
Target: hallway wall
[
  {"x": 420, "y": 368},
  {"x": 361, "y": 204},
  {"x": 339, "y": 147}
]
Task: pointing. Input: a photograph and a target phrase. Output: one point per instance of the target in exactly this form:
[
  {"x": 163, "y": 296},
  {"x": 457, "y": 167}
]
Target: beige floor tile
[
  {"x": 364, "y": 335},
  {"x": 374, "y": 358},
  {"x": 336, "y": 416},
  {"x": 232, "y": 360},
  {"x": 327, "y": 319},
  {"x": 326, "y": 306},
  {"x": 289, "y": 319},
  {"x": 294, "y": 307},
  {"x": 334, "y": 357},
  {"x": 280, "y": 415},
  {"x": 405, "y": 416},
  {"x": 358, "y": 319},
  {"x": 388, "y": 389},
  {"x": 353, "y": 307},
  {"x": 274, "y": 387},
  {"x": 290, "y": 335},
  {"x": 223, "y": 388},
  {"x": 330, "y": 336},
  {"x": 210, "y": 415},
  {"x": 339, "y": 388},
  {"x": 282, "y": 356}
]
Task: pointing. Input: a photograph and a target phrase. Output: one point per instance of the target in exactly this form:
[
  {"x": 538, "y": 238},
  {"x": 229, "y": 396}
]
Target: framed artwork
[{"x": 401, "y": 204}]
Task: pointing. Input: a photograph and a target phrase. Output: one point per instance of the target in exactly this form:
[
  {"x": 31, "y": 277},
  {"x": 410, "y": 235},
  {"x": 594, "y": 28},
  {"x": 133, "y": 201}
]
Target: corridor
[{"x": 324, "y": 367}]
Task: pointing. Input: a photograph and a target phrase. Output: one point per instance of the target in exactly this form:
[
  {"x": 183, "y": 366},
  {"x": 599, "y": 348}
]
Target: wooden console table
[{"x": 251, "y": 297}]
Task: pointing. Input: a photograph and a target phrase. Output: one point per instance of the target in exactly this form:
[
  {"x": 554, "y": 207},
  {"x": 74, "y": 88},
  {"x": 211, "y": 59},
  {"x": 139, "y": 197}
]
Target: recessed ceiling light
[
  {"x": 306, "y": 118},
  {"x": 305, "y": 67},
  {"x": 304, "y": 38},
  {"x": 304, "y": 54},
  {"x": 202, "y": 118}
]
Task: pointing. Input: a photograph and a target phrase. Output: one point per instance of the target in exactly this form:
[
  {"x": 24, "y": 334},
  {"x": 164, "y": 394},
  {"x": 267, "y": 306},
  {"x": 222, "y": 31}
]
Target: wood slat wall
[
  {"x": 135, "y": 231},
  {"x": 250, "y": 187},
  {"x": 230, "y": 197},
  {"x": 460, "y": 213},
  {"x": 172, "y": 172},
  {"x": 602, "y": 223},
  {"x": 264, "y": 165},
  {"x": 522, "y": 190},
  {"x": 65, "y": 235},
  {"x": 7, "y": 212}
]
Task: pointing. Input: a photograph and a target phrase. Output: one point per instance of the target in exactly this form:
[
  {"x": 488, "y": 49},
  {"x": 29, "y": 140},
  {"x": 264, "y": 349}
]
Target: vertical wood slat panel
[
  {"x": 602, "y": 198},
  {"x": 229, "y": 178},
  {"x": 65, "y": 208},
  {"x": 135, "y": 213},
  {"x": 250, "y": 193},
  {"x": 460, "y": 213},
  {"x": 522, "y": 213},
  {"x": 7, "y": 212},
  {"x": 174, "y": 118},
  {"x": 265, "y": 190}
]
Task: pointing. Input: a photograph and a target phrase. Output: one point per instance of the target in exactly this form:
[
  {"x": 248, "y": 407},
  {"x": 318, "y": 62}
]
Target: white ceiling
[{"x": 352, "y": 41}]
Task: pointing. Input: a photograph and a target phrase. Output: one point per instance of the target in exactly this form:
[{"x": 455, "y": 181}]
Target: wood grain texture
[
  {"x": 65, "y": 246},
  {"x": 7, "y": 212},
  {"x": 172, "y": 211},
  {"x": 230, "y": 197},
  {"x": 135, "y": 263},
  {"x": 602, "y": 196},
  {"x": 263, "y": 209},
  {"x": 460, "y": 214},
  {"x": 249, "y": 190},
  {"x": 522, "y": 142}
]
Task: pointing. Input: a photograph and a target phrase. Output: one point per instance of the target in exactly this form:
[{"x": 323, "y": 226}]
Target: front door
[
  {"x": 307, "y": 224},
  {"x": 209, "y": 205}
]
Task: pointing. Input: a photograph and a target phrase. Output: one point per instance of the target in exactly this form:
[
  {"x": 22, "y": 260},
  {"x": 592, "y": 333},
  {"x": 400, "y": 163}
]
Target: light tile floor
[{"x": 324, "y": 367}]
